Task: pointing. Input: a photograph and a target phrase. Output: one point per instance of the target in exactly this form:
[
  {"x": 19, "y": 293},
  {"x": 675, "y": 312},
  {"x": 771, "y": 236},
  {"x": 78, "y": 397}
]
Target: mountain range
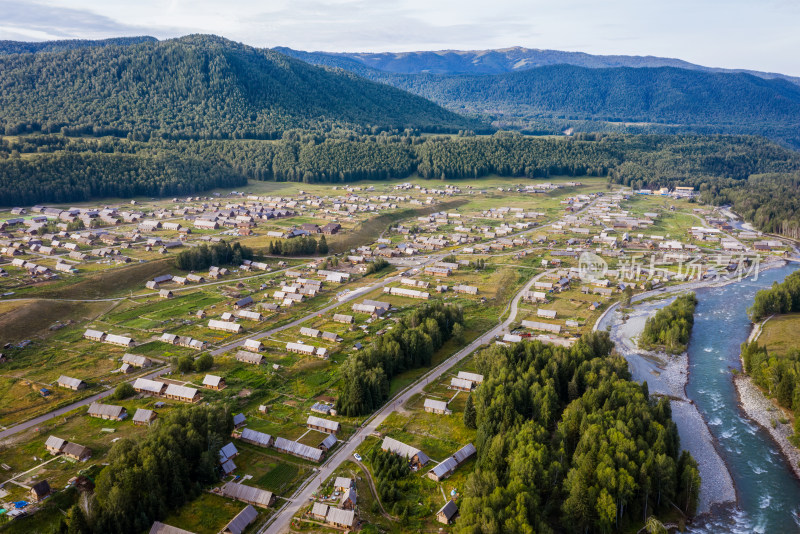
[
  {"x": 203, "y": 86},
  {"x": 648, "y": 95},
  {"x": 503, "y": 60}
]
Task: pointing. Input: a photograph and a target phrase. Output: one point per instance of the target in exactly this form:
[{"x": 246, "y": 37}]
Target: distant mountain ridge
[
  {"x": 504, "y": 60},
  {"x": 197, "y": 86},
  {"x": 27, "y": 47},
  {"x": 555, "y": 98}
]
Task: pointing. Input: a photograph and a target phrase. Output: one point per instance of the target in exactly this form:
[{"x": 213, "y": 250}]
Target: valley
[{"x": 248, "y": 289}]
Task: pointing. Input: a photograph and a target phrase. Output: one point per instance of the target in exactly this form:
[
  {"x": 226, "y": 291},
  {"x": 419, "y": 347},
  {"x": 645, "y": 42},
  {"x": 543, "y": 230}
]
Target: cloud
[
  {"x": 360, "y": 25},
  {"x": 33, "y": 21},
  {"x": 720, "y": 33}
]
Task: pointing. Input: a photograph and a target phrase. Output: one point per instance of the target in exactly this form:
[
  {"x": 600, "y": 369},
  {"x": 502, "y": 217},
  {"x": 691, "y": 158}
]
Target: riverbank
[
  {"x": 667, "y": 375},
  {"x": 762, "y": 410}
]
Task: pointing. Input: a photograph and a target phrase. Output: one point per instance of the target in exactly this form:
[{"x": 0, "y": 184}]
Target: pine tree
[
  {"x": 322, "y": 246},
  {"x": 470, "y": 414}
]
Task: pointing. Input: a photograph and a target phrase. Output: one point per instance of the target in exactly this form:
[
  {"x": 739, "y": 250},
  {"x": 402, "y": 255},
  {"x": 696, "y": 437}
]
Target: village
[{"x": 92, "y": 299}]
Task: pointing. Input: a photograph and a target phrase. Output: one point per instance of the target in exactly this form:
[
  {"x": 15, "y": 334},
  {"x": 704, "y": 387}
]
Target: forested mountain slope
[
  {"x": 197, "y": 87},
  {"x": 502, "y": 60},
  {"x": 666, "y": 95},
  {"x": 639, "y": 100},
  {"x": 28, "y": 47}
]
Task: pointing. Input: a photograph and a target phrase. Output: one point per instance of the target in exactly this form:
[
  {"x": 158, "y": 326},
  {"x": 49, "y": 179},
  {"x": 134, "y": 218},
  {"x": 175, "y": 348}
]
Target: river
[{"x": 768, "y": 494}]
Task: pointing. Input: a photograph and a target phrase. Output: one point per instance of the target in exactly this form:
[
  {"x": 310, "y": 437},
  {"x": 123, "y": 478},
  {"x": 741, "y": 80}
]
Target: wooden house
[
  {"x": 249, "y": 357},
  {"x": 348, "y": 500},
  {"x": 256, "y": 438},
  {"x": 40, "y": 491},
  {"x": 214, "y": 382},
  {"x": 242, "y": 520},
  {"x": 415, "y": 456},
  {"x": 144, "y": 417},
  {"x": 74, "y": 384},
  {"x": 447, "y": 513},
  {"x": 107, "y": 411},
  {"x": 437, "y": 407},
  {"x": 248, "y": 494},
  {"x": 55, "y": 445},
  {"x": 319, "y": 511},
  {"x": 181, "y": 393},
  {"x": 323, "y": 425},
  {"x": 77, "y": 452}
]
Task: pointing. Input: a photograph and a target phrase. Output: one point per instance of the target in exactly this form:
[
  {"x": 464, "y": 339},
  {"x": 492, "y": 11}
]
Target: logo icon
[{"x": 592, "y": 267}]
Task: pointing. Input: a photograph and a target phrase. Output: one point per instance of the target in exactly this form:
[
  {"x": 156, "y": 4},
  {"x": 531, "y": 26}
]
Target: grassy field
[
  {"x": 207, "y": 514},
  {"x": 779, "y": 335},
  {"x": 33, "y": 319},
  {"x": 103, "y": 284}
]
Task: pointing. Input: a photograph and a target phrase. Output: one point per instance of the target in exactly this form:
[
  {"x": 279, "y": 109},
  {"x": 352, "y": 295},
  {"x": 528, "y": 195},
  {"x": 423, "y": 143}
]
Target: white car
[{"x": 357, "y": 456}]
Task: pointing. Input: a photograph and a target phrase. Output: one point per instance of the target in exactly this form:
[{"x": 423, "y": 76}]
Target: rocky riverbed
[
  {"x": 667, "y": 375},
  {"x": 761, "y": 410}
]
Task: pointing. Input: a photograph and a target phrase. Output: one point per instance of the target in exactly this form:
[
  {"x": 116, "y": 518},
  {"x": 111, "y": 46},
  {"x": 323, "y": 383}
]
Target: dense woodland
[
  {"x": 567, "y": 442},
  {"x": 780, "y": 298},
  {"x": 549, "y": 96},
  {"x": 409, "y": 345},
  {"x": 204, "y": 256},
  {"x": 149, "y": 477},
  {"x": 671, "y": 327},
  {"x": 779, "y": 377},
  {"x": 300, "y": 246},
  {"x": 497, "y": 61},
  {"x": 197, "y": 86},
  {"x": 70, "y": 177}
]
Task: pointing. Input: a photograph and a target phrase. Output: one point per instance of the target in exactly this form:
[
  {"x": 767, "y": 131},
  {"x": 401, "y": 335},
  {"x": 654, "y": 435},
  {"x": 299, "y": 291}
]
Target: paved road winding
[{"x": 283, "y": 518}]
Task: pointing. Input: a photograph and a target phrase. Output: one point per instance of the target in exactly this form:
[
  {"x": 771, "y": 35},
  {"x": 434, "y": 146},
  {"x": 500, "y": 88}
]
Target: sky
[{"x": 749, "y": 34}]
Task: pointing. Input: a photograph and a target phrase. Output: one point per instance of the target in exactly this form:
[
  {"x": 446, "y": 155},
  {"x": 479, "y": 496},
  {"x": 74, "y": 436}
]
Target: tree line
[
  {"x": 778, "y": 377},
  {"x": 204, "y": 256},
  {"x": 760, "y": 179},
  {"x": 298, "y": 246},
  {"x": 780, "y": 298},
  {"x": 670, "y": 328},
  {"x": 69, "y": 177},
  {"x": 366, "y": 374},
  {"x": 568, "y": 443}
]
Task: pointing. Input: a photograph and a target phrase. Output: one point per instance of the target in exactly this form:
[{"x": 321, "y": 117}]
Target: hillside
[
  {"x": 197, "y": 87},
  {"x": 638, "y": 100},
  {"x": 666, "y": 94},
  {"x": 27, "y": 47},
  {"x": 501, "y": 60}
]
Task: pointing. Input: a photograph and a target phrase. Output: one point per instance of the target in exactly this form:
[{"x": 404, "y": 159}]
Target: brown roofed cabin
[
  {"x": 77, "y": 452},
  {"x": 40, "y": 491}
]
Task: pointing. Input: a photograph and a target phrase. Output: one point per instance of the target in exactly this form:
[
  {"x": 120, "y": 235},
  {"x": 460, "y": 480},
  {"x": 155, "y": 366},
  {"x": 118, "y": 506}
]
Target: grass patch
[
  {"x": 208, "y": 514},
  {"x": 779, "y": 335}
]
